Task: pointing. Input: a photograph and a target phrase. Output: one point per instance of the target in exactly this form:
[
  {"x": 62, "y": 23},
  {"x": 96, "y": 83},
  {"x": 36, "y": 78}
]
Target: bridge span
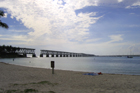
[{"x": 53, "y": 53}]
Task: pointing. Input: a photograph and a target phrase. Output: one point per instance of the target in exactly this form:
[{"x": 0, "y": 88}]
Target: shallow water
[{"x": 115, "y": 65}]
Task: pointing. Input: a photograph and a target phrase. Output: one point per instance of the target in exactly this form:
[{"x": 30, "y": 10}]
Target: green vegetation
[
  {"x": 44, "y": 82},
  {"x": 4, "y": 25},
  {"x": 23, "y": 91},
  {"x": 19, "y": 84},
  {"x": 1, "y": 90},
  {"x": 18, "y": 91},
  {"x": 8, "y": 51},
  {"x": 11, "y": 91},
  {"x": 51, "y": 92},
  {"x": 41, "y": 82},
  {"x": 30, "y": 90},
  {"x": 47, "y": 82}
]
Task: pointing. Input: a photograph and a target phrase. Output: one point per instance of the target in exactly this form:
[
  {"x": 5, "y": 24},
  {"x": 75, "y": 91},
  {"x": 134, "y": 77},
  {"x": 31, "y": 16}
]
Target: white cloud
[
  {"x": 14, "y": 38},
  {"x": 127, "y": 6},
  {"x": 132, "y": 13},
  {"x": 13, "y": 30},
  {"x": 53, "y": 18},
  {"x": 55, "y": 25},
  {"x": 93, "y": 40},
  {"x": 134, "y": 5},
  {"x": 5, "y": 15},
  {"x": 115, "y": 38},
  {"x": 112, "y": 3},
  {"x": 134, "y": 49},
  {"x": 120, "y": 1}
]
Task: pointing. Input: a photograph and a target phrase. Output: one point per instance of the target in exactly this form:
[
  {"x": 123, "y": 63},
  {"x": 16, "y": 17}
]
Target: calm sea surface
[{"x": 116, "y": 65}]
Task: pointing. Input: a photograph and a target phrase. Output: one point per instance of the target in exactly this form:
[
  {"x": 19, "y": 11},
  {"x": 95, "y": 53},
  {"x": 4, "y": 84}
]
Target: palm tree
[{"x": 4, "y": 25}]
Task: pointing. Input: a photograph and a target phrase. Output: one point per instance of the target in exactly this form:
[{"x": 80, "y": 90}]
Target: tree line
[{"x": 8, "y": 49}]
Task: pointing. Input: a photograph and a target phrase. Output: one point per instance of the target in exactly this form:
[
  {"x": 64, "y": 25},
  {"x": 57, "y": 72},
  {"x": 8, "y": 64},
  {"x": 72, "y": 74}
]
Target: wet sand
[{"x": 19, "y": 79}]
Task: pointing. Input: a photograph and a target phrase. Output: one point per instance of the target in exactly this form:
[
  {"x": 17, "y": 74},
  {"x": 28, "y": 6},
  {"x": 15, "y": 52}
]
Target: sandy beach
[{"x": 20, "y": 79}]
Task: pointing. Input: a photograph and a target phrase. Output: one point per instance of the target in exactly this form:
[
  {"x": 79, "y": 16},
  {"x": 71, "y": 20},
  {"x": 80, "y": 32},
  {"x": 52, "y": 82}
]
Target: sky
[{"x": 100, "y": 27}]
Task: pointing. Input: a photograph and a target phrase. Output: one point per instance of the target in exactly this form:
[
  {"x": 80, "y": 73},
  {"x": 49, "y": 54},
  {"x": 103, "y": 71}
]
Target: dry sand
[{"x": 20, "y": 79}]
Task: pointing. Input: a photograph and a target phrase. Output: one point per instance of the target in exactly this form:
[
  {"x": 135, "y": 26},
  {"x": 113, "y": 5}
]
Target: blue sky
[{"x": 100, "y": 27}]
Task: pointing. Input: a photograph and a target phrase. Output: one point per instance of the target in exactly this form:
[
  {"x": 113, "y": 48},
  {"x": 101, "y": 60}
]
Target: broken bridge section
[{"x": 25, "y": 51}]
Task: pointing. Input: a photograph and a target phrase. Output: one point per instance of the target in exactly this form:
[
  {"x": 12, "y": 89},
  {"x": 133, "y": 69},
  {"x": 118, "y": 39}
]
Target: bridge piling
[{"x": 33, "y": 55}]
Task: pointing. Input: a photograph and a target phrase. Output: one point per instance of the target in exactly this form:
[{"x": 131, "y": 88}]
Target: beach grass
[
  {"x": 19, "y": 91},
  {"x": 11, "y": 91},
  {"x": 34, "y": 83},
  {"x": 24, "y": 91},
  {"x": 51, "y": 91},
  {"x": 30, "y": 90}
]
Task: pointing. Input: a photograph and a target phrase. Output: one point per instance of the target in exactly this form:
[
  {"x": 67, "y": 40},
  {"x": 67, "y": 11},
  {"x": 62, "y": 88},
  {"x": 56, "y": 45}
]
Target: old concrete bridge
[
  {"x": 52, "y": 53},
  {"x": 24, "y": 51}
]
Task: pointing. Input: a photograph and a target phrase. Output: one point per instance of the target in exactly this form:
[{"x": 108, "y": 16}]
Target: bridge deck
[{"x": 63, "y": 54}]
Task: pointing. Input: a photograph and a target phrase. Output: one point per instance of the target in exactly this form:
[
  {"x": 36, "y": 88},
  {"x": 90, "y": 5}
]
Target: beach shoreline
[{"x": 20, "y": 79}]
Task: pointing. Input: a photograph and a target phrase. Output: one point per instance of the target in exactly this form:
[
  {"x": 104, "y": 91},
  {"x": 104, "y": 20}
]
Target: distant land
[{"x": 116, "y": 55}]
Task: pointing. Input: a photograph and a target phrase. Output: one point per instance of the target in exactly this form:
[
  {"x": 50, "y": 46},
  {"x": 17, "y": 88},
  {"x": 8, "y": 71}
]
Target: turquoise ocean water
[{"x": 114, "y": 65}]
